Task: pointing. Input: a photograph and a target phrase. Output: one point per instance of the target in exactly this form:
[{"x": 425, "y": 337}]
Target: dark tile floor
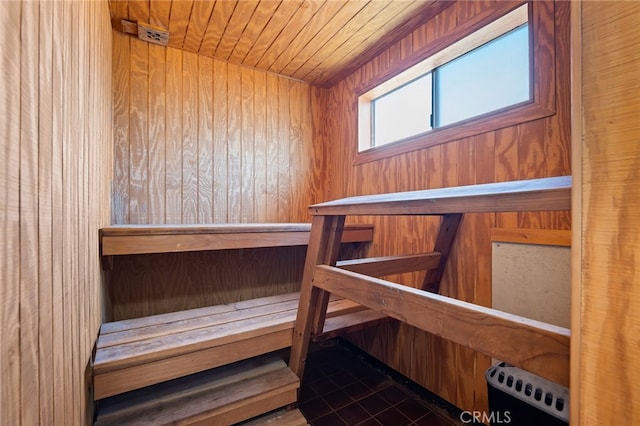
[{"x": 344, "y": 387}]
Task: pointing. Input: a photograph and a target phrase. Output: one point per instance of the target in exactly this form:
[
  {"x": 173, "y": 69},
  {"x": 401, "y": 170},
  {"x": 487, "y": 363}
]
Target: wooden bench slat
[
  {"x": 224, "y": 396},
  {"x": 193, "y": 340},
  {"x": 172, "y": 328},
  {"x": 152, "y": 342},
  {"x": 108, "y": 383},
  {"x": 130, "y": 324}
]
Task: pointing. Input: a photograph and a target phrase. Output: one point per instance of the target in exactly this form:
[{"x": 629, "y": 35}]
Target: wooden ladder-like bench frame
[
  {"x": 534, "y": 346},
  {"x": 131, "y": 354}
]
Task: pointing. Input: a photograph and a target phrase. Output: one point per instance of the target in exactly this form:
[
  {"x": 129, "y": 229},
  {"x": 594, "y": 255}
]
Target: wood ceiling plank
[
  {"x": 179, "y": 21},
  {"x": 159, "y": 13},
  {"x": 411, "y": 32},
  {"x": 335, "y": 24},
  {"x": 119, "y": 9},
  {"x": 277, "y": 22},
  {"x": 239, "y": 20},
  {"x": 290, "y": 32},
  {"x": 365, "y": 38},
  {"x": 308, "y": 32},
  {"x": 361, "y": 19},
  {"x": 217, "y": 25},
  {"x": 139, "y": 10},
  {"x": 200, "y": 16},
  {"x": 261, "y": 17},
  {"x": 220, "y": 17}
]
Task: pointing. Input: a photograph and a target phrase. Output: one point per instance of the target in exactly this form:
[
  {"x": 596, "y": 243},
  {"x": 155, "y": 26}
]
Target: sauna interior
[{"x": 152, "y": 189}]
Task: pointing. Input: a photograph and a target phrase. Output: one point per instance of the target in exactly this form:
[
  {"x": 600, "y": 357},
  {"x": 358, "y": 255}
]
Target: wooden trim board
[
  {"x": 140, "y": 239},
  {"x": 549, "y": 237}
]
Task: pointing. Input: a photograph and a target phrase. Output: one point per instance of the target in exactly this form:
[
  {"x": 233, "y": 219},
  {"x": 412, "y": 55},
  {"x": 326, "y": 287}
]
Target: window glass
[
  {"x": 491, "y": 77},
  {"x": 403, "y": 112}
]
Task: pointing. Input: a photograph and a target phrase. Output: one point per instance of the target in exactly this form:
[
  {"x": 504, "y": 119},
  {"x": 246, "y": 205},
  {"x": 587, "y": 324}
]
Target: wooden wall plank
[
  {"x": 605, "y": 357},
  {"x": 10, "y": 67},
  {"x": 283, "y": 150},
  {"x": 29, "y": 238},
  {"x": 157, "y": 134},
  {"x": 189, "y": 138},
  {"x": 261, "y": 165},
  {"x": 273, "y": 137},
  {"x": 220, "y": 143},
  {"x": 234, "y": 153},
  {"x": 57, "y": 323},
  {"x": 45, "y": 210},
  {"x": 205, "y": 139},
  {"x": 121, "y": 90},
  {"x": 138, "y": 132},
  {"x": 247, "y": 146},
  {"x": 56, "y": 92},
  {"x": 173, "y": 150}
]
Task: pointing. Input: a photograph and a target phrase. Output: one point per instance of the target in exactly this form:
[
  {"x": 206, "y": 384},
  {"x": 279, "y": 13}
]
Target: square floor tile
[{"x": 353, "y": 414}]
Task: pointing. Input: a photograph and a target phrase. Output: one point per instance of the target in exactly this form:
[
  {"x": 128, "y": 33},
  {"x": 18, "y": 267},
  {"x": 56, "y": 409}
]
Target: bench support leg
[
  {"x": 444, "y": 241},
  {"x": 324, "y": 246}
]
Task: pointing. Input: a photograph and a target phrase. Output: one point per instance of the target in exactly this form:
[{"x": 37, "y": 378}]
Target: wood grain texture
[
  {"x": 491, "y": 157},
  {"x": 224, "y": 126},
  {"x": 55, "y": 184},
  {"x": 552, "y": 237},
  {"x": 224, "y": 396},
  {"x": 283, "y": 36},
  {"x": 606, "y": 296}
]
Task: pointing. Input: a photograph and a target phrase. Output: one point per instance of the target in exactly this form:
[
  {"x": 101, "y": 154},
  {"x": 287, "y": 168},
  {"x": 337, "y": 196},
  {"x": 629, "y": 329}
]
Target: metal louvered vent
[{"x": 536, "y": 391}]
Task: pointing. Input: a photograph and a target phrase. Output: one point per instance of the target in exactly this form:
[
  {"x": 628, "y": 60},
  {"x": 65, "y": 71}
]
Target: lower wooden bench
[
  {"x": 222, "y": 396},
  {"x": 140, "y": 352}
]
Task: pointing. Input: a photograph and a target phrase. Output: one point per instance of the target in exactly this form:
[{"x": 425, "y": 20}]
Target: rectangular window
[{"x": 477, "y": 79}]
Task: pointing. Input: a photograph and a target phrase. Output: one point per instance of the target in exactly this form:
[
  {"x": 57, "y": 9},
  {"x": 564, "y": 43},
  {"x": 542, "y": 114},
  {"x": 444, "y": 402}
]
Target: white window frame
[{"x": 542, "y": 104}]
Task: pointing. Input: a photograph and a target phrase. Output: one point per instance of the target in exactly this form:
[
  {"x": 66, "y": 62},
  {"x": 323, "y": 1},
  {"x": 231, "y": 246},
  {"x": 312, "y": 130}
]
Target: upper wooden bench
[
  {"x": 534, "y": 346},
  {"x": 145, "y": 239}
]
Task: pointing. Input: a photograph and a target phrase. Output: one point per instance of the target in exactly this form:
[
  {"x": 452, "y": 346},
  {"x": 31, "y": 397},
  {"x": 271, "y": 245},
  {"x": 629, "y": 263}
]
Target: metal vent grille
[
  {"x": 536, "y": 391},
  {"x": 151, "y": 34}
]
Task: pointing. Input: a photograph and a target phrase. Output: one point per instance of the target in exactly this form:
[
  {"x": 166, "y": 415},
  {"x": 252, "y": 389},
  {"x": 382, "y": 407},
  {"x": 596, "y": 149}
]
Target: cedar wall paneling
[
  {"x": 535, "y": 149},
  {"x": 605, "y": 351},
  {"x": 199, "y": 140},
  {"x": 55, "y": 169}
]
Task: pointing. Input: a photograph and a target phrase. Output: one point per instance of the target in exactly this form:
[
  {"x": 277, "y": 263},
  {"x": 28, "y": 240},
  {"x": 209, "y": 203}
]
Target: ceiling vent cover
[{"x": 156, "y": 35}]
